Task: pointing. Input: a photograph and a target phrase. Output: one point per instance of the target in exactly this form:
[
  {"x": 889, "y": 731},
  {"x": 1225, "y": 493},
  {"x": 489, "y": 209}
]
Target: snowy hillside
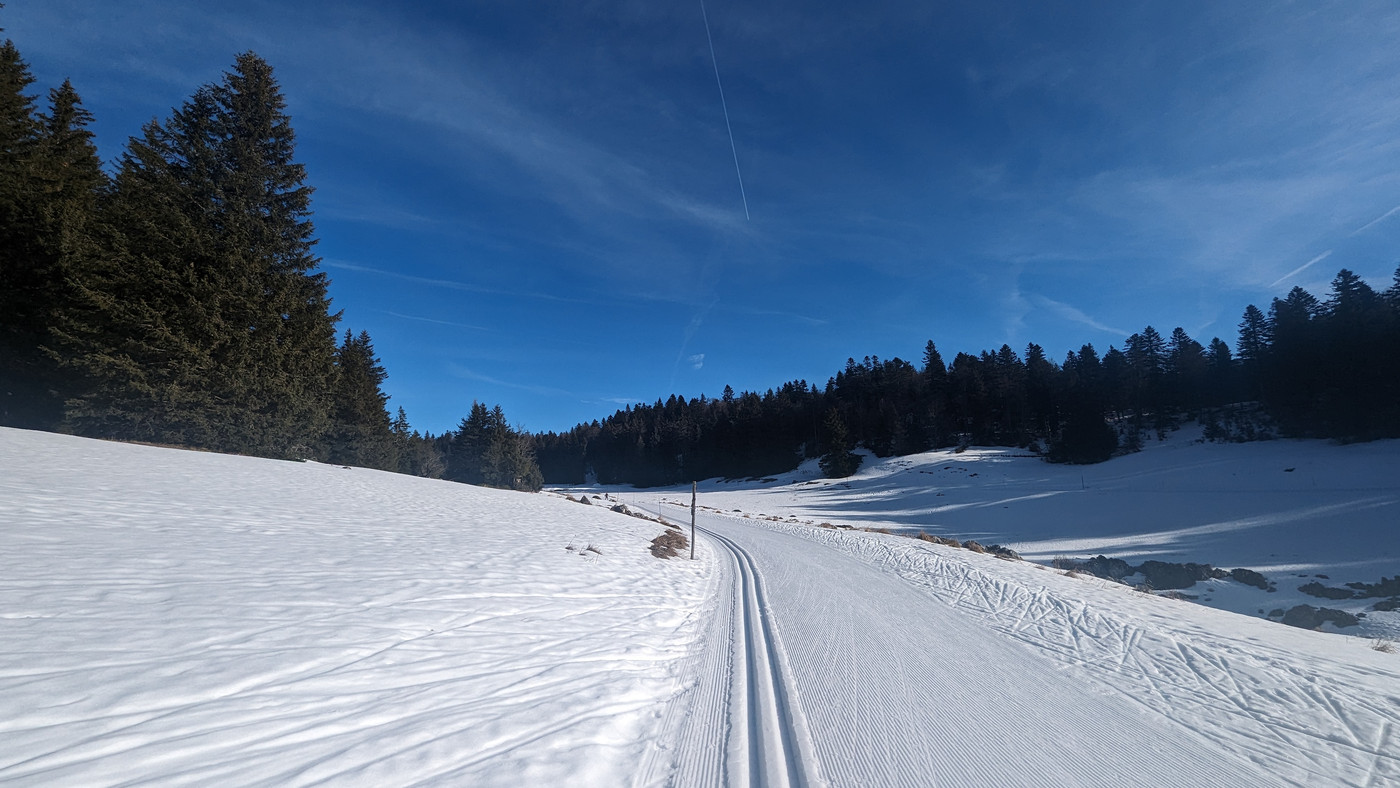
[
  {"x": 179, "y": 618},
  {"x": 1299, "y": 512},
  {"x": 201, "y": 619}
]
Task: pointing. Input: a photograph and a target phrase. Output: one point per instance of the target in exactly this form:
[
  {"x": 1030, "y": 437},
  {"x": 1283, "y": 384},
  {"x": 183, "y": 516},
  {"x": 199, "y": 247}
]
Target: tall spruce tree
[
  {"x": 1252, "y": 348},
  {"x": 838, "y": 461},
  {"x": 361, "y": 433},
  {"x": 467, "y": 449},
  {"x": 1220, "y": 373},
  {"x": 68, "y": 177},
  {"x": 1186, "y": 371},
  {"x": 1356, "y": 401},
  {"x": 19, "y": 136},
  {"x": 207, "y": 324}
]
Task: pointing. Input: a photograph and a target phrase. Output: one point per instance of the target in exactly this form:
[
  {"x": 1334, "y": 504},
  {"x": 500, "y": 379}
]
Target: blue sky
[{"x": 535, "y": 204}]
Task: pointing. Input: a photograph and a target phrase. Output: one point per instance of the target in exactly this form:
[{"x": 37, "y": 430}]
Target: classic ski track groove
[{"x": 764, "y": 741}]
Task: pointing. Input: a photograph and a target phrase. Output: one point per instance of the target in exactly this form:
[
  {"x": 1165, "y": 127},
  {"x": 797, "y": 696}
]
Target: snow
[
  {"x": 179, "y": 618},
  {"x": 1295, "y": 511},
  {"x": 917, "y": 664},
  {"x": 194, "y": 619}
]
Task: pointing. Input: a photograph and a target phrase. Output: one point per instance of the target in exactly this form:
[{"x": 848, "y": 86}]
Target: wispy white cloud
[
  {"x": 697, "y": 361},
  {"x": 1376, "y": 220},
  {"x": 1270, "y": 143},
  {"x": 691, "y": 329},
  {"x": 449, "y": 283},
  {"x": 1300, "y": 269},
  {"x": 811, "y": 321},
  {"x": 382, "y": 214},
  {"x": 490, "y": 114},
  {"x": 457, "y": 370},
  {"x": 434, "y": 321},
  {"x": 1014, "y": 308},
  {"x": 1074, "y": 315}
]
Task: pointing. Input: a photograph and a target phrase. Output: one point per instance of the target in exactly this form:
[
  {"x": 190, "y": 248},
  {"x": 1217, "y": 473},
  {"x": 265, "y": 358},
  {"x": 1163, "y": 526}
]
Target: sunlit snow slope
[
  {"x": 183, "y": 618},
  {"x": 1300, "y": 512}
]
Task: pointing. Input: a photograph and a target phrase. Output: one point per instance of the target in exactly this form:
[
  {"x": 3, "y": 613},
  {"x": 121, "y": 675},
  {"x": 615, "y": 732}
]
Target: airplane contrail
[
  {"x": 725, "y": 105},
  {"x": 1300, "y": 269}
]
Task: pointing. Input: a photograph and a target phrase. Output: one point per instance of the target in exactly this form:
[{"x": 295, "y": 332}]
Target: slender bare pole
[{"x": 692, "y": 521}]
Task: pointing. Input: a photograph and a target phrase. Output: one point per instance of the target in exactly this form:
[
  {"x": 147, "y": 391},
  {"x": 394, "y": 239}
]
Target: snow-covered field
[
  {"x": 171, "y": 617},
  {"x": 183, "y": 618},
  {"x": 1298, "y": 512}
]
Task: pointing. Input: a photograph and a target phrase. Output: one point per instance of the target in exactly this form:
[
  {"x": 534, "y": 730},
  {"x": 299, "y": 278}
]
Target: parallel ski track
[{"x": 765, "y": 746}]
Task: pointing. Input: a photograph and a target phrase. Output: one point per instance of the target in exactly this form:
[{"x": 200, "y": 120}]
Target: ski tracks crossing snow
[
  {"x": 741, "y": 725},
  {"x": 1233, "y": 681}
]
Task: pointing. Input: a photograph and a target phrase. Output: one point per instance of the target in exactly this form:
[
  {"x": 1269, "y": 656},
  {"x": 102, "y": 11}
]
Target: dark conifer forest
[
  {"x": 175, "y": 298},
  {"x": 1310, "y": 368}
]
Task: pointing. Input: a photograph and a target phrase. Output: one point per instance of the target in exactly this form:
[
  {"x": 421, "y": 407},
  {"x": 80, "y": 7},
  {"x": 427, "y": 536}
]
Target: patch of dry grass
[{"x": 669, "y": 544}]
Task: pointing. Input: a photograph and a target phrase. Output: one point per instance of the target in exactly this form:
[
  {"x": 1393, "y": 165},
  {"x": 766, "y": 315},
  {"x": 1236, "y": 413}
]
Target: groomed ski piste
[{"x": 179, "y": 618}]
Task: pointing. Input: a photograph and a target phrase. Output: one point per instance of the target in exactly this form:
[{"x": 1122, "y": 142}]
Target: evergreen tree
[
  {"x": 361, "y": 433},
  {"x": 510, "y": 462},
  {"x": 404, "y": 440},
  {"x": 1252, "y": 347},
  {"x": 1041, "y": 374},
  {"x": 1352, "y": 300},
  {"x": 1354, "y": 328},
  {"x": 19, "y": 135},
  {"x": 1291, "y": 387},
  {"x": 838, "y": 461},
  {"x": 49, "y": 239},
  {"x": 1220, "y": 373},
  {"x": 1085, "y": 438},
  {"x": 1146, "y": 353},
  {"x": 467, "y": 450},
  {"x": 487, "y": 451},
  {"x": 206, "y": 324},
  {"x": 1186, "y": 371},
  {"x": 1115, "y": 375}
]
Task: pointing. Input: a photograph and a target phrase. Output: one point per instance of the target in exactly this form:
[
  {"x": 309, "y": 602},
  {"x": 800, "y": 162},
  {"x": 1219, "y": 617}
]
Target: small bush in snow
[
  {"x": 1002, "y": 552},
  {"x": 1250, "y": 578},
  {"x": 1382, "y": 645},
  {"x": 1309, "y": 617},
  {"x": 1325, "y": 592},
  {"x": 669, "y": 544}
]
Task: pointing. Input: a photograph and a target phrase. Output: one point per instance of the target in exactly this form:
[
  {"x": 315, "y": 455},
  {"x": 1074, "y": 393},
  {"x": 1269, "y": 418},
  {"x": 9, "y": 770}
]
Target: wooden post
[{"x": 692, "y": 520}]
